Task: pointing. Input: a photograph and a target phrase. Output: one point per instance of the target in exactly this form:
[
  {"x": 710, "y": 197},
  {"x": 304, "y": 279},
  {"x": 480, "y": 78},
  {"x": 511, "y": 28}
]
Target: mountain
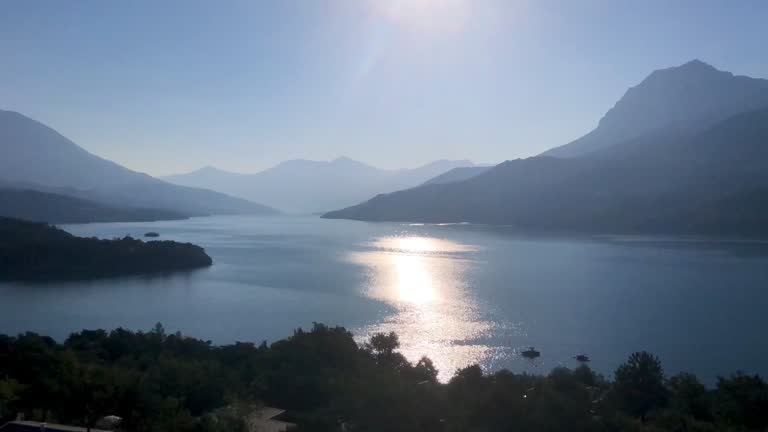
[
  {"x": 458, "y": 174},
  {"x": 688, "y": 98},
  {"x": 34, "y": 154},
  {"x": 715, "y": 182},
  {"x": 667, "y": 180},
  {"x": 33, "y": 205},
  {"x": 306, "y": 186}
]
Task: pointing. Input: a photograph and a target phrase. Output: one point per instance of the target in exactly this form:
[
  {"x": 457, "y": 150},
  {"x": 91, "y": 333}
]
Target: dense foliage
[
  {"x": 161, "y": 382},
  {"x": 37, "y": 251}
]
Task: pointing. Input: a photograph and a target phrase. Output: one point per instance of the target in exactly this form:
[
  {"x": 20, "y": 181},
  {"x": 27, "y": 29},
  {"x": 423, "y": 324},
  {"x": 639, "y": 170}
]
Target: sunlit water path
[
  {"x": 459, "y": 294},
  {"x": 435, "y": 312}
]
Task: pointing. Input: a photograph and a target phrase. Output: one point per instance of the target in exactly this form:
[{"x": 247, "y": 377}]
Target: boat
[
  {"x": 530, "y": 353},
  {"x": 582, "y": 358},
  {"x": 152, "y": 234}
]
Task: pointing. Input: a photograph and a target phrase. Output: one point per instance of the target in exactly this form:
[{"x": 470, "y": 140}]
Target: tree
[
  {"x": 10, "y": 392},
  {"x": 639, "y": 385},
  {"x": 743, "y": 401},
  {"x": 383, "y": 347},
  {"x": 382, "y": 344},
  {"x": 165, "y": 382},
  {"x": 425, "y": 370},
  {"x": 689, "y": 397},
  {"x": 87, "y": 391}
]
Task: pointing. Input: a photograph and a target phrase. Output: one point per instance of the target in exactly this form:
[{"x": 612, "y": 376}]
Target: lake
[{"x": 459, "y": 294}]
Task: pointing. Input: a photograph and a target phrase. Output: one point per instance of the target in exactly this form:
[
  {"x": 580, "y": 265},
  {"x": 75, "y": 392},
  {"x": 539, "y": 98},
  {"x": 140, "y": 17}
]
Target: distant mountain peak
[
  {"x": 33, "y": 153},
  {"x": 686, "y": 98},
  {"x": 694, "y": 69},
  {"x": 207, "y": 170},
  {"x": 304, "y": 186},
  {"x": 344, "y": 159},
  {"x": 210, "y": 168},
  {"x": 712, "y": 182},
  {"x": 697, "y": 64}
]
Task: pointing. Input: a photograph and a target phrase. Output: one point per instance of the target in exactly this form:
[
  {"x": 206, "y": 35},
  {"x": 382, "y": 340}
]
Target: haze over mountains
[
  {"x": 685, "y": 151},
  {"x": 458, "y": 174},
  {"x": 46, "y": 177},
  {"x": 37, "y": 158},
  {"x": 37, "y": 206},
  {"x": 305, "y": 186}
]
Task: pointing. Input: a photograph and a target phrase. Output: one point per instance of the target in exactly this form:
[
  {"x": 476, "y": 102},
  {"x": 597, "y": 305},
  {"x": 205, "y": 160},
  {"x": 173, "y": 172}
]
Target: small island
[
  {"x": 152, "y": 234},
  {"x": 37, "y": 251}
]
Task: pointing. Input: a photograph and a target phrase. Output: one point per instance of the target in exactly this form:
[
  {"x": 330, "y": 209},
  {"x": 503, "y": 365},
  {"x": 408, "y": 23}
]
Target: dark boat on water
[
  {"x": 152, "y": 234},
  {"x": 582, "y": 358},
  {"x": 530, "y": 353}
]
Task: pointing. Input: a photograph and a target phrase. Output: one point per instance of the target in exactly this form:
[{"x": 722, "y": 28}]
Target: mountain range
[
  {"x": 54, "y": 177},
  {"x": 685, "y": 151},
  {"x": 305, "y": 186}
]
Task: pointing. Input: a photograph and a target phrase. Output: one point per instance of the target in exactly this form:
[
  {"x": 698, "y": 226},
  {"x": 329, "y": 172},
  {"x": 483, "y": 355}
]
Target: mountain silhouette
[
  {"x": 686, "y": 99},
  {"x": 680, "y": 178},
  {"x": 40, "y": 158},
  {"x": 458, "y": 174},
  {"x": 37, "y": 206},
  {"x": 306, "y": 186}
]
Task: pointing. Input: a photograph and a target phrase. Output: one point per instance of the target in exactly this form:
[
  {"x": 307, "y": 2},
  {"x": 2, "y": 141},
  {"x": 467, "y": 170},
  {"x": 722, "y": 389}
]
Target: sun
[{"x": 431, "y": 16}]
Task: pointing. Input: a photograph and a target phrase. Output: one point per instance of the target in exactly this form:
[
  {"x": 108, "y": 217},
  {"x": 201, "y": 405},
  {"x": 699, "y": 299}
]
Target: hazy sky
[{"x": 169, "y": 86}]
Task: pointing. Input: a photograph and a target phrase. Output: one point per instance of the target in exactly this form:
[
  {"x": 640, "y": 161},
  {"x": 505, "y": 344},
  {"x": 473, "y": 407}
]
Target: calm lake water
[{"x": 459, "y": 294}]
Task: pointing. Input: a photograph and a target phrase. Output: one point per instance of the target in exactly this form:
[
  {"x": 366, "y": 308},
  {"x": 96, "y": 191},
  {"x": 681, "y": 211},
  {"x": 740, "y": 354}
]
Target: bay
[{"x": 459, "y": 294}]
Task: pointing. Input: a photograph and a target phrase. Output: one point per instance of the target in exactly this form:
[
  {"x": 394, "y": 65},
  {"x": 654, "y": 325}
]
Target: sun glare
[
  {"x": 433, "y": 16},
  {"x": 424, "y": 280},
  {"x": 414, "y": 280},
  {"x": 414, "y": 270},
  {"x": 415, "y": 244},
  {"x": 421, "y": 245}
]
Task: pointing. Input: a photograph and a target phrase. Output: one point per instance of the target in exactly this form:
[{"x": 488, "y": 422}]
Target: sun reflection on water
[
  {"x": 425, "y": 280},
  {"x": 414, "y": 281}
]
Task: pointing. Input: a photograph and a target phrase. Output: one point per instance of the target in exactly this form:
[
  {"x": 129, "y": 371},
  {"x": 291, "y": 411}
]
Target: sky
[{"x": 170, "y": 86}]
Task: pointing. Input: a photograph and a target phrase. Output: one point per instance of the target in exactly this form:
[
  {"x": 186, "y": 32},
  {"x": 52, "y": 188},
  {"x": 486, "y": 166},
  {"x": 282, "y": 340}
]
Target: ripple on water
[{"x": 424, "y": 280}]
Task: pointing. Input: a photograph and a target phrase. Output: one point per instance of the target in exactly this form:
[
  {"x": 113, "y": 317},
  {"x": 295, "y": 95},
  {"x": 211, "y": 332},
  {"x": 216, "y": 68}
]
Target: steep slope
[
  {"x": 688, "y": 98},
  {"x": 39, "y": 206},
  {"x": 35, "y": 154},
  {"x": 713, "y": 182},
  {"x": 458, "y": 174},
  {"x": 309, "y": 186}
]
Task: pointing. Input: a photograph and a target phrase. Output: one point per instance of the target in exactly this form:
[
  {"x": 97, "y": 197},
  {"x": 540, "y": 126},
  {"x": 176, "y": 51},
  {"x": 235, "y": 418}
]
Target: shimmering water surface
[{"x": 459, "y": 294}]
